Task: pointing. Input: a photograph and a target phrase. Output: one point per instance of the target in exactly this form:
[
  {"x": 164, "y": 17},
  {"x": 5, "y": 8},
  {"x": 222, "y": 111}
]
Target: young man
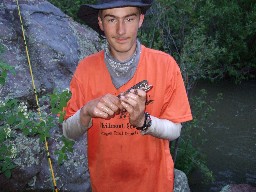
[{"x": 128, "y": 132}]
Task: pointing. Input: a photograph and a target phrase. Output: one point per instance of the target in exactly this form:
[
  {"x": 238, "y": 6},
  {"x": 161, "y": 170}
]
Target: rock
[
  {"x": 180, "y": 182},
  {"x": 238, "y": 188},
  {"x": 55, "y": 45}
]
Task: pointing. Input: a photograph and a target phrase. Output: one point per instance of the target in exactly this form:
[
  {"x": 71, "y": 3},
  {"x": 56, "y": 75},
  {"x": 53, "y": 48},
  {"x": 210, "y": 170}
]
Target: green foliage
[
  {"x": 189, "y": 157},
  {"x": 4, "y": 68},
  {"x": 184, "y": 37},
  {"x": 16, "y": 117},
  {"x": 209, "y": 39},
  {"x": 6, "y": 166},
  {"x": 58, "y": 101},
  {"x": 233, "y": 25},
  {"x": 6, "y": 151},
  {"x": 70, "y": 7},
  {"x": 66, "y": 147},
  {"x": 197, "y": 58}
]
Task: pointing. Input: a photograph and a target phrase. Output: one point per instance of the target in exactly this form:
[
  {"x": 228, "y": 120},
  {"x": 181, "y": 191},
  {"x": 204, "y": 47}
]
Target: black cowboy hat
[{"x": 89, "y": 13}]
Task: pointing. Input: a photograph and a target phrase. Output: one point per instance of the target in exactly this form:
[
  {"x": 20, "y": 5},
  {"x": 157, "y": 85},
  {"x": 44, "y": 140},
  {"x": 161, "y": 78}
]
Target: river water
[{"x": 231, "y": 135}]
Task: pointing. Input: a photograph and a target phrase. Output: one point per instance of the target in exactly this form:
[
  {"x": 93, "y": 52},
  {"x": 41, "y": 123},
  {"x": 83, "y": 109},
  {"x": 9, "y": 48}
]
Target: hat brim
[
  {"x": 89, "y": 13},
  {"x": 90, "y": 16}
]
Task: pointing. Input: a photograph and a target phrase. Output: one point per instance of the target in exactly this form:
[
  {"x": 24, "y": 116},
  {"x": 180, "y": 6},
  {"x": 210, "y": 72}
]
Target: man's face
[{"x": 120, "y": 26}]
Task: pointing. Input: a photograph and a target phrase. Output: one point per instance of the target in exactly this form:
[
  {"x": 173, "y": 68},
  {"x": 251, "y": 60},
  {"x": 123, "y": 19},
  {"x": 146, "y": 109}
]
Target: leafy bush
[
  {"x": 217, "y": 37},
  {"x": 4, "y": 68},
  {"x": 16, "y": 118},
  {"x": 183, "y": 38},
  {"x": 58, "y": 101}
]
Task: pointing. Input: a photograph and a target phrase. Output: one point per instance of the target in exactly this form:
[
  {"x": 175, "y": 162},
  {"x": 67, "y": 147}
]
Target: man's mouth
[{"x": 121, "y": 39}]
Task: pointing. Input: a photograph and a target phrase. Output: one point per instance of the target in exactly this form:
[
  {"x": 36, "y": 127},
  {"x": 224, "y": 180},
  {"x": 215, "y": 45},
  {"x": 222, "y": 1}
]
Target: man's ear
[
  {"x": 100, "y": 23},
  {"x": 141, "y": 20}
]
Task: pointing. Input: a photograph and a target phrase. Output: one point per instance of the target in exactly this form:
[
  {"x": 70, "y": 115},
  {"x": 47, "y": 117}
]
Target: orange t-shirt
[{"x": 120, "y": 158}]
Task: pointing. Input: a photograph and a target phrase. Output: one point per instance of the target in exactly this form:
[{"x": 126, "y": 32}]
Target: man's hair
[{"x": 100, "y": 12}]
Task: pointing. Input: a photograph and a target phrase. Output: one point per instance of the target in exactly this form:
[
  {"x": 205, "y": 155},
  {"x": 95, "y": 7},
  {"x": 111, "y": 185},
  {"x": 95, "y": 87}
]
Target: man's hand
[
  {"x": 103, "y": 107},
  {"x": 134, "y": 103}
]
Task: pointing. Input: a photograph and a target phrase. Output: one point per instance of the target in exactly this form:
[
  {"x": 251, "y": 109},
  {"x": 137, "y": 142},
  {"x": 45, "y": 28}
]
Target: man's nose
[{"x": 121, "y": 27}]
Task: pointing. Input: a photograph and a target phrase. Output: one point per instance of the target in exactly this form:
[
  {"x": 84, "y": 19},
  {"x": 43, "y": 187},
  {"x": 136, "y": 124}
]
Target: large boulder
[{"x": 55, "y": 45}]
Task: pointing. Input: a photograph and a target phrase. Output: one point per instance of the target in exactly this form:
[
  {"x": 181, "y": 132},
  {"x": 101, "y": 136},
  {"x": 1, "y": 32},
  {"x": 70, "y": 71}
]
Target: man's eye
[
  {"x": 111, "y": 20},
  {"x": 129, "y": 19}
]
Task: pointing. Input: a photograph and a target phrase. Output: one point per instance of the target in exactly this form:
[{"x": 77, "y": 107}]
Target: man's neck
[{"x": 123, "y": 56}]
